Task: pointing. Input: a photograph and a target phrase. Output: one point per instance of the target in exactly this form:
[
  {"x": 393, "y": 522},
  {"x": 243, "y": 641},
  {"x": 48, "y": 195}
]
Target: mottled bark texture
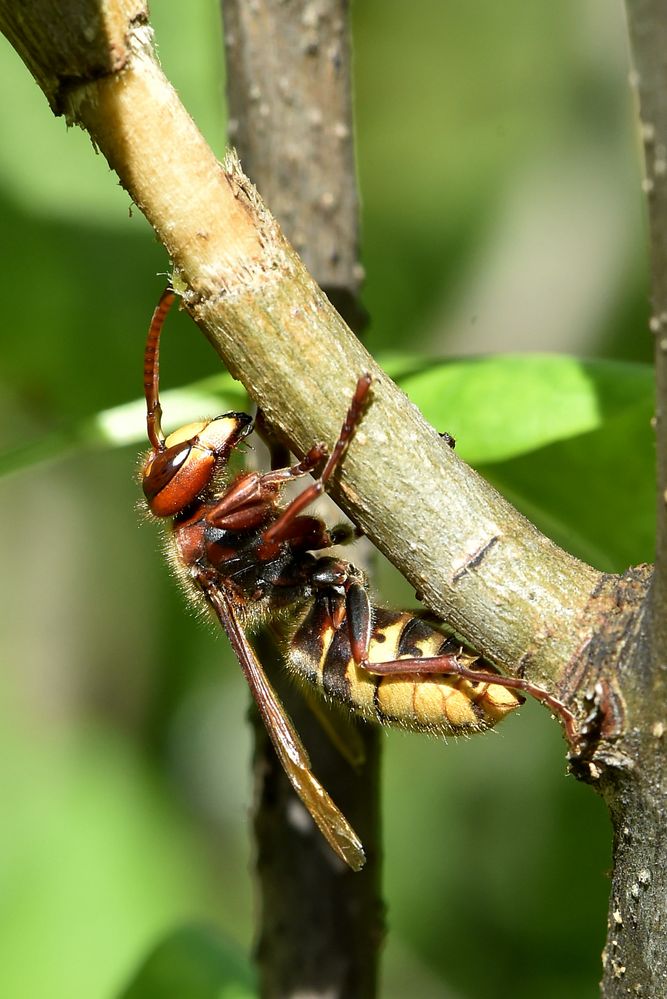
[{"x": 635, "y": 957}]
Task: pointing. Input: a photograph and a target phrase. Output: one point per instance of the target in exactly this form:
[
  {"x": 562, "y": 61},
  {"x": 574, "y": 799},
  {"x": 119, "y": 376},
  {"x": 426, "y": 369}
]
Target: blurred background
[{"x": 498, "y": 167}]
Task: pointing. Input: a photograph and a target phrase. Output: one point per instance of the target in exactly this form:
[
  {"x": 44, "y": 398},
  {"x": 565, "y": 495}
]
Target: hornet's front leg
[{"x": 277, "y": 530}]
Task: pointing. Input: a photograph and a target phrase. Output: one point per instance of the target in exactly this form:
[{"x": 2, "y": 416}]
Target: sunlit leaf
[
  {"x": 568, "y": 442},
  {"x": 501, "y": 407},
  {"x": 594, "y": 494}
]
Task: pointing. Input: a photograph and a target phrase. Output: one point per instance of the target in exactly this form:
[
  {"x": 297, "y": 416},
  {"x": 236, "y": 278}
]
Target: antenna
[{"x": 152, "y": 371}]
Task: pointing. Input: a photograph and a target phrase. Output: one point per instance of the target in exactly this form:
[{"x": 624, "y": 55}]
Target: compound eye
[
  {"x": 160, "y": 471},
  {"x": 174, "y": 477}
]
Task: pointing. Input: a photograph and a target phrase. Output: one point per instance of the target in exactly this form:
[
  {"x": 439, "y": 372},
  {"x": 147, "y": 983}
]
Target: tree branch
[{"x": 647, "y": 21}]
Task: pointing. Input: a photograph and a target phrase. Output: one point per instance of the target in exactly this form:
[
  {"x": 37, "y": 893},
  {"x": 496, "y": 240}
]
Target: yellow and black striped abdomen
[{"x": 447, "y": 705}]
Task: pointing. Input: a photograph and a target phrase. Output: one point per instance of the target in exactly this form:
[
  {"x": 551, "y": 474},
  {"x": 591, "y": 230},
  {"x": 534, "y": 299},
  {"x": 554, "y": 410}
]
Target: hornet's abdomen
[{"x": 447, "y": 705}]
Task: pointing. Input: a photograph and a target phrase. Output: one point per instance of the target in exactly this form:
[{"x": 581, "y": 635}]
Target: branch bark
[
  {"x": 635, "y": 957},
  {"x": 512, "y": 593}
]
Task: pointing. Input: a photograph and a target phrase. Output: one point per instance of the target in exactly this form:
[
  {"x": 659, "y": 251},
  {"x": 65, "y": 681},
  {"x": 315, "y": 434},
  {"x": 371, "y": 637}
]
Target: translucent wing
[{"x": 291, "y": 752}]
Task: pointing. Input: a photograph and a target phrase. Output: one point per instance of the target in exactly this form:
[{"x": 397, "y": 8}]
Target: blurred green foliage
[
  {"x": 194, "y": 962},
  {"x": 501, "y": 213}
]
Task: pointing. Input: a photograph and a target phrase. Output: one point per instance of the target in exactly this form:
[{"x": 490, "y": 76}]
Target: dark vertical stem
[
  {"x": 635, "y": 957},
  {"x": 647, "y": 21},
  {"x": 289, "y": 96},
  {"x": 290, "y": 119},
  {"x": 321, "y": 924}
]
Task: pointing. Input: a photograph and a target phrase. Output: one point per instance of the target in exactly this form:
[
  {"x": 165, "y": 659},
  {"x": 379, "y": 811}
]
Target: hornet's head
[{"x": 180, "y": 467}]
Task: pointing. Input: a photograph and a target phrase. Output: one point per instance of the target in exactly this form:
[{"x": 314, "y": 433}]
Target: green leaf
[
  {"x": 501, "y": 407},
  {"x": 568, "y": 442},
  {"x": 594, "y": 494},
  {"x": 194, "y": 962}
]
